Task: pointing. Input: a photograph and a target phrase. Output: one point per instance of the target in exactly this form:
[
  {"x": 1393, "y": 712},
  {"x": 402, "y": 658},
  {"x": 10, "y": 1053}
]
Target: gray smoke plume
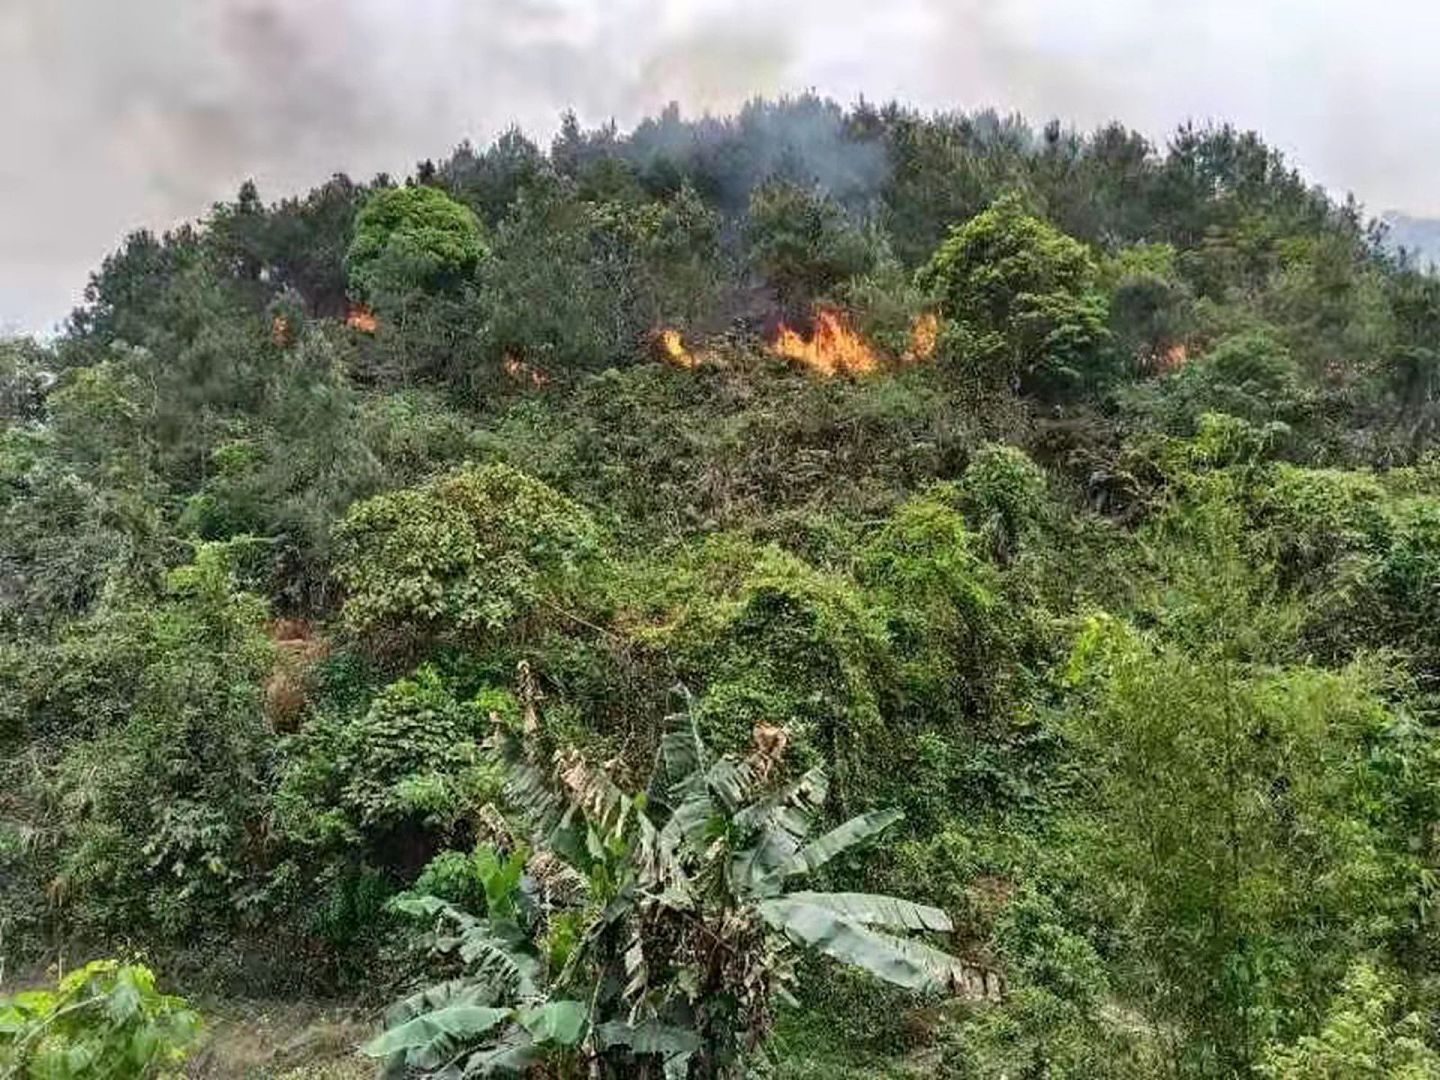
[{"x": 115, "y": 114}]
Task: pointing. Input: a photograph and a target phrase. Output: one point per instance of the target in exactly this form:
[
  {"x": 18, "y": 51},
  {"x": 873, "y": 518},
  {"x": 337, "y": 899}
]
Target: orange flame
[
  {"x": 362, "y": 318},
  {"x": 520, "y": 371},
  {"x": 281, "y": 332},
  {"x": 672, "y": 349},
  {"x": 924, "y": 336},
  {"x": 833, "y": 348},
  {"x": 1164, "y": 359}
]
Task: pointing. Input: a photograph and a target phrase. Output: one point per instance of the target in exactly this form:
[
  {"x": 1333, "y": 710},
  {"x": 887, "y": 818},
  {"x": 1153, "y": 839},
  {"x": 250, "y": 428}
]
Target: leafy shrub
[
  {"x": 104, "y": 1021},
  {"x": 410, "y": 758},
  {"x": 471, "y": 551},
  {"x": 453, "y": 876},
  {"x": 1255, "y": 364},
  {"x": 803, "y": 243},
  {"x": 749, "y": 446},
  {"x": 1222, "y": 440},
  {"x": 411, "y": 753},
  {"x": 579, "y": 286},
  {"x": 1363, "y": 1034},
  {"x": 159, "y": 806},
  {"x": 316, "y": 448},
  {"x": 23, "y": 364},
  {"x": 1248, "y": 374},
  {"x": 949, "y": 628},
  {"x": 1027, "y": 290},
  {"x": 1205, "y": 762},
  {"x": 1320, "y": 515},
  {"x": 1004, "y": 492},
  {"x": 888, "y": 306},
  {"x": 769, "y": 637},
  {"x": 1036, "y": 1033},
  {"x": 411, "y": 238},
  {"x": 65, "y": 535},
  {"x": 1150, "y": 305},
  {"x": 1043, "y": 952}
]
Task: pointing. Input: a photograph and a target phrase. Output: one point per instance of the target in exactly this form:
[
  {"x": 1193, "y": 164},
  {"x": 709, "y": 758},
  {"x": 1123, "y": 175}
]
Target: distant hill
[{"x": 1418, "y": 235}]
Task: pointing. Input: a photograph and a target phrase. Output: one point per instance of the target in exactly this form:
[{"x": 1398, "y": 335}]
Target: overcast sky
[{"x": 121, "y": 113}]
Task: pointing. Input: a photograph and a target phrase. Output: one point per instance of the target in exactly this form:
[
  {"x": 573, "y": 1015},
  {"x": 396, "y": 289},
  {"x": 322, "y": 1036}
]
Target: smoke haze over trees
[{"x": 175, "y": 102}]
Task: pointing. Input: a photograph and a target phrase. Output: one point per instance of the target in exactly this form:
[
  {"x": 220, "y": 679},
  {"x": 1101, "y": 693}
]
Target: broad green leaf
[
  {"x": 496, "y": 958},
  {"x": 440, "y": 996},
  {"x": 874, "y": 910},
  {"x": 559, "y": 1022},
  {"x": 430, "y": 907},
  {"x": 680, "y": 755},
  {"x": 457, "y": 1022},
  {"x": 123, "y": 1002},
  {"x": 731, "y": 782},
  {"x": 839, "y": 839},
  {"x": 906, "y": 963},
  {"x": 513, "y": 1057},
  {"x": 649, "y": 1037},
  {"x": 11, "y": 1020},
  {"x": 759, "y": 869},
  {"x": 36, "y": 1002}
]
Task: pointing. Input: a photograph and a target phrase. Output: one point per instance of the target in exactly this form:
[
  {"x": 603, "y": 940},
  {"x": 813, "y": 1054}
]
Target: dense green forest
[{"x": 817, "y": 593}]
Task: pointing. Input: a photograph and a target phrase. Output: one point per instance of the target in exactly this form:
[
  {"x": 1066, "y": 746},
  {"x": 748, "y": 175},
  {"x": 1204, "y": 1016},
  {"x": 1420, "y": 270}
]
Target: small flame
[
  {"x": 1170, "y": 358},
  {"x": 672, "y": 349},
  {"x": 924, "y": 336},
  {"x": 281, "y": 332},
  {"x": 833, "y": 348},
  {"x": 520, "y": 371},
  {"x": 363, "y": 319}
]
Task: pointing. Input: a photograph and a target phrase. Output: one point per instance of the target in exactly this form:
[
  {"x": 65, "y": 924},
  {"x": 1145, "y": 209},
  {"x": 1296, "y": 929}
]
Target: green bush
[
  {"x": 1249, "y": 374},
  {"x": 1027, "y": 290},
  {"x": 1227, "y": 818},
  {"x": 160, "y": 804},
  {"x": 803, "y": 244},
  {"x": 104, "y": 1021},
  {"x": 950, "y": 629},
  {"x": 1363, "y": 1033},
  {"x": 411, "y": 758},
  {"x": 579, "y": 286},
  {"x": 1151, "y": 307},
  {"x": 471, "y": 551},
  {"x": 411, "y": 239},
  {"x": 1004, "y": 494},
  {"x": 768, "y": 638}
]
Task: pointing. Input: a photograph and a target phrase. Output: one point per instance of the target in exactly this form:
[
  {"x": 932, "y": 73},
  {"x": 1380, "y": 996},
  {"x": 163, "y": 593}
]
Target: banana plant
[
  {"x": 692, "y": 914},
  {"x": 498, "y": 1017}
]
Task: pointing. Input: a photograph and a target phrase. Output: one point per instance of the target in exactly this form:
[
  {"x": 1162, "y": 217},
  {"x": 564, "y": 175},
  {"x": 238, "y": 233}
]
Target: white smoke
[{"x": 118, "y": 115}]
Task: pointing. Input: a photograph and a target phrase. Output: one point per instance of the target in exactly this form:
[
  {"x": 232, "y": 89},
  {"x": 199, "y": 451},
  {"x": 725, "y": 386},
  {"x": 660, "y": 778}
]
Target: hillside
[{"x": 816, "y": 593}]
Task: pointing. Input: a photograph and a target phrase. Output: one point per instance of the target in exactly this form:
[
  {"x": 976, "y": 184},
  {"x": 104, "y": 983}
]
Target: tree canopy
[
  {"x": 815, "y": 592},
  {"x": 411, "y": 238}
]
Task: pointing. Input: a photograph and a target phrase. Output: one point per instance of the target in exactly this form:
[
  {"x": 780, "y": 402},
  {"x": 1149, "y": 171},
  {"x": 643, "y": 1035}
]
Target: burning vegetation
[
  {"x": 671, "y": 347},
  {"x": 282, "y": 332},
  {"x": 362, "y": 318},
  {"x": 924, "y": 336},
  {"x": 833, "y": 348},
  {"x": 521, "y": 372}
]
